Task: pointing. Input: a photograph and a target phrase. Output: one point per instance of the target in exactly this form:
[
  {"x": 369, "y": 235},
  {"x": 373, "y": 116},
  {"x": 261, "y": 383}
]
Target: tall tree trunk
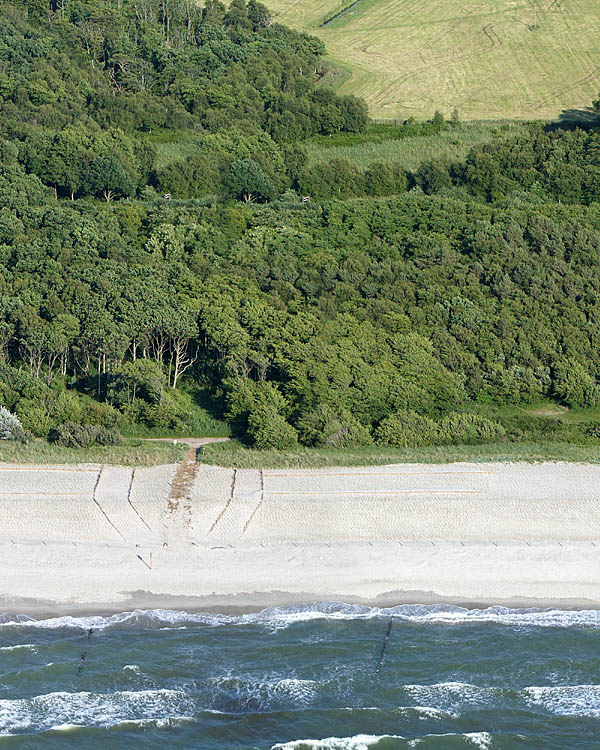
[{"x": 182, "y": 358}]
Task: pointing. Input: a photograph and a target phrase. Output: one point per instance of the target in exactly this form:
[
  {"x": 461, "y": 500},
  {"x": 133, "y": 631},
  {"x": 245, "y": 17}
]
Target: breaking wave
[
  {"x": 62, "y": 710},
  {"x": 481, "y": 740},
  {"x": 281, "y": 617},
  {"x": 566, "y": 700},
  {"x": 358, "y": 742}
]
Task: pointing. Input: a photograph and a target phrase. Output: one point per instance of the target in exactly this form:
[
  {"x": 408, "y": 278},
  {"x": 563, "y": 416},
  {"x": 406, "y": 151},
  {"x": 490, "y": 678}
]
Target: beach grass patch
[
  {"x": 132, "y": 453},
  {"x": 234, "y": 454}
]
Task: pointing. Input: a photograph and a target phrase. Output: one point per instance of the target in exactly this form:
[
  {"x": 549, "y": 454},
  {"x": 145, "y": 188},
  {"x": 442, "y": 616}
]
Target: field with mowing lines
[{"x": 411, "y": 57}]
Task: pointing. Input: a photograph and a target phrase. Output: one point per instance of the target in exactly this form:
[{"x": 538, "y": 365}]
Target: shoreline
[
  {"x": 114, "y": 539},
  {"x": 251, "y": 579},
  {"x": 210, "y": 605}
]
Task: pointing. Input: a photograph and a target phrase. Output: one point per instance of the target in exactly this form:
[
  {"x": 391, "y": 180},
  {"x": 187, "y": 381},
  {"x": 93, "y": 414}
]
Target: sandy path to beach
[{"x": 91, "y": 538}]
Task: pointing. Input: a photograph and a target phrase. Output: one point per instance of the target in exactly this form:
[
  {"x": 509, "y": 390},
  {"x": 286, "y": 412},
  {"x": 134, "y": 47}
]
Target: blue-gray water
[{"x": 303, "y": 678}]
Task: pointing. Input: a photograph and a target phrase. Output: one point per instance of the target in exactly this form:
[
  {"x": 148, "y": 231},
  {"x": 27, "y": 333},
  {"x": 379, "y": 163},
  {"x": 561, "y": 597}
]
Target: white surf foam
[
  {"x": 426, "y": 712},
  {"x": 65, "y": 728},
  {"x": 20, "y": 647},
  {"x": 452, "y": 697},
  {"x": 241, "y": 692},
  {"x": 91, "y": 709},
  {"x": 168, "y": 722},
  {"x": 481, "y": 740},
  {"x": 281, "y": 617},
  {"x": 566, "y": 700},
  {"x": 357, "y": 742}
]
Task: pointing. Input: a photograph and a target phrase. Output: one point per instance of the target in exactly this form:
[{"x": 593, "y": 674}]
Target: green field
[
  {"x": 411, "y": 57},
  {"x": 449, "y": 145}
]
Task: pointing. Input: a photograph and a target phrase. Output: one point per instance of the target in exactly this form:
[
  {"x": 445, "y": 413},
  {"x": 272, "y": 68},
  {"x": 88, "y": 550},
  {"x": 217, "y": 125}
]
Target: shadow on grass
[{"x": 569, "y": 119}]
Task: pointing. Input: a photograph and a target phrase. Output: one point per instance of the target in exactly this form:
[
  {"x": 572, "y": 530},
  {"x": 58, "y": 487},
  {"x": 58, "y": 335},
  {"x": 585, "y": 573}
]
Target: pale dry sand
[{"x": 88, "y": 538}]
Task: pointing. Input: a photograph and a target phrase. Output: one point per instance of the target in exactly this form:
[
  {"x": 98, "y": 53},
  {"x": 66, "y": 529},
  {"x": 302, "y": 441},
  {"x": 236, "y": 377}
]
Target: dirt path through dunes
[
  {"x": 181, "y": 487},
  {"x": 179, "y": 503}
]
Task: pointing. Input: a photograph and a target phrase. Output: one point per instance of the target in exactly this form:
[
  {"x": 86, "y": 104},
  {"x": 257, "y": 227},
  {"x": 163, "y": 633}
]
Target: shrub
[
  {"x": 592, "y": 429},
  {"x": 432, "y": 176},
  {"x": 247, "y": 396},
  {"x": 34, "y": 417},
  {"x": 268, "y": 429},
  {"x": 10, "y": 427},
  {"x": 469, "y": 429},
  {"x": 574, "y": 385},
  {"x": 73, "y": 435},
  {"x": 247, "y": 181},
  {"x": 407, "y": 429},
  {"x": 64, "y": 406},
  {"x": 325, "y": 427},
  {"x": 96, "y": 412},
  {"x": 108, "y": 436}
]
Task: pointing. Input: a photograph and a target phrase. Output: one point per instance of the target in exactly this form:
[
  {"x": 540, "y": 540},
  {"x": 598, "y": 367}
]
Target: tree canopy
[{"x": 390, "y": 307}]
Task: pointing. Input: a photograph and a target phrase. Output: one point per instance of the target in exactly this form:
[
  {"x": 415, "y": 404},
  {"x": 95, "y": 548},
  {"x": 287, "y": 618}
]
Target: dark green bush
[
  {"x": 325, "y": 427},
  {"x": 469, "y": 429},
  {"x": 407, "y": 429},
  {"x": 73, "y": 435},
  {"x": 268, "y": 429},
  {"x": 108, "y": 436},
  {"x": 592, "y": 429}
]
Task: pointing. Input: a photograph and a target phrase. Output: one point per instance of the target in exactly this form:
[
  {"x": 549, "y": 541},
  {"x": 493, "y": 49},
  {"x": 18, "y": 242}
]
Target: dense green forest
[{"x": 395, "y": 307}]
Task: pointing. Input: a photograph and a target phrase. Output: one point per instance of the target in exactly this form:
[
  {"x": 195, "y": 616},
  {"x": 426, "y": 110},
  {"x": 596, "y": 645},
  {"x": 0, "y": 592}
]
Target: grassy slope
[
  {"x": 235, "y": 455},
  {"x": 452, "y": 145},
  {"x": 411, "y": 57},
  {"x": 134, "y": 453}
]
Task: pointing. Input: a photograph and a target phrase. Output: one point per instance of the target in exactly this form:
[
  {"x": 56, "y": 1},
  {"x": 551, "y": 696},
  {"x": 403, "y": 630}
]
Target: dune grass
[
  {"x": 233, "y": 454},
  {"x": 411, "y": 57},
  {"x": 133, "y": 453}
]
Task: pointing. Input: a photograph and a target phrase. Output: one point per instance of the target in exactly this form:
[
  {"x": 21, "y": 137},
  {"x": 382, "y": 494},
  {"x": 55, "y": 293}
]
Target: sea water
[{"x": 318, "y": 676}]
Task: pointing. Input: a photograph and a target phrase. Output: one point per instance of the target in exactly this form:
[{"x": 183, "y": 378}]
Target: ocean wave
[
  {"x": 168, "y": 722},
  {"x": 62, "y": 709},
  {"x": 481, "y": 740},
  {"x": 65, "y": 728},
  {"x": 358, "y": 742},
  {"x": 237, "y": 694},
  {"x": 425, "y": 712},
  {"x": 282, "y": 617},
  {"x": 131, "y": 668},
  {"x": 454, "y": 698},
  {"x": 566, "y": 700},
  {"x": 20, "y": 647}
]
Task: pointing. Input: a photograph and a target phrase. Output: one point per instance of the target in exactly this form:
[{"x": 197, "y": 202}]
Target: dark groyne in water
[{"x": 329, "y": 20}]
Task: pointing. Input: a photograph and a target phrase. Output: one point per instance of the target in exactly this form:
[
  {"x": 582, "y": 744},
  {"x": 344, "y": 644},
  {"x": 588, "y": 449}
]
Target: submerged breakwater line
[{"x": 303, "y": 678}]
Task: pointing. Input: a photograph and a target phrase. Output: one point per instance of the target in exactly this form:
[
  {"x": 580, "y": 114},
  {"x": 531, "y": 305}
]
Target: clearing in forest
[{"x": 411, "y": 57}]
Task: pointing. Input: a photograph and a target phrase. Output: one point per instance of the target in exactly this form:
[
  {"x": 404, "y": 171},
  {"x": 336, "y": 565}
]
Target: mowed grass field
[{"x": 411, "y": 57}]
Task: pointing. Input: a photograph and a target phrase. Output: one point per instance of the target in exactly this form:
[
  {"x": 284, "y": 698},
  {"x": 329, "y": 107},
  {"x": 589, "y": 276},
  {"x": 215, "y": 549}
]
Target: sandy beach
[{"x": 85, "y": 539}]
